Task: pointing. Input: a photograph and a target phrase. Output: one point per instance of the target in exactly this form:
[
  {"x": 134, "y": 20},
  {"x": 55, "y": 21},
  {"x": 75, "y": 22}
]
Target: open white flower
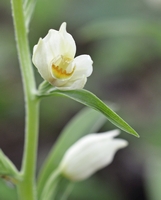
[
  {"x": 54, "y": 58},
  {"x": 90, "y": 154}
]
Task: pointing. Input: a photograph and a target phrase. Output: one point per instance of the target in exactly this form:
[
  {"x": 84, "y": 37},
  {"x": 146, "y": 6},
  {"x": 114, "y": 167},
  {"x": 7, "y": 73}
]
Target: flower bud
[{"x": 89, "y": 154}]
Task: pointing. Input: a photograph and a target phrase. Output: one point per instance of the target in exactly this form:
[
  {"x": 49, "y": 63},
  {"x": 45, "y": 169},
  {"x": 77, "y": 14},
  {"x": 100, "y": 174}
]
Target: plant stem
[{"x": 27, "y": 188}]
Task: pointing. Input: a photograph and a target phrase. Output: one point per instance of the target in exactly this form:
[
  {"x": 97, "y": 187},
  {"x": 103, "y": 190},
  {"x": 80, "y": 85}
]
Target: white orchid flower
[
  {"x": 89, "y": 154},
  {"x": 54, "y": 55}
]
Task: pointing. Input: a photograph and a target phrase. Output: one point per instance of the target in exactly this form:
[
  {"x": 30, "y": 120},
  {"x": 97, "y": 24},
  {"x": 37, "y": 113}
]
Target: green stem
[{"x": 27, "y": 188}]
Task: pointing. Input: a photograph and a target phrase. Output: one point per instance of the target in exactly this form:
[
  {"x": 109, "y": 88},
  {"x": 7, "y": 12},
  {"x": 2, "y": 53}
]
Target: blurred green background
[{"x": 123, "y": 38}]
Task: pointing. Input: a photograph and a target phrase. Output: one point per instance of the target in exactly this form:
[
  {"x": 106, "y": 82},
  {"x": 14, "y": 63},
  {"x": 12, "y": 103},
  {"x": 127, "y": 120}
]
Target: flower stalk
[{"x": 26, "y": 188}]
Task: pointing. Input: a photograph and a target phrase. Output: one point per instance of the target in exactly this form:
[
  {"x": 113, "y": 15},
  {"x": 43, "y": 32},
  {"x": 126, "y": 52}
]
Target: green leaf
[
  {"x": 89, "y": 99},
  {"x": 50, "y": 188},
  {"x": 29, "y": 6},
  {"x": 56, "y": 187},
  {"x": 7, "y": 169},
  {"x": 86, "y": 121}
]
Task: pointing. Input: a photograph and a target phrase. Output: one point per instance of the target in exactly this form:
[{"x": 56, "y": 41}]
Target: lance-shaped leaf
[
  {"x": 7, "y": 169},
  {"x": 29, "y": 6},
  {"x": 89, "y": 99}
]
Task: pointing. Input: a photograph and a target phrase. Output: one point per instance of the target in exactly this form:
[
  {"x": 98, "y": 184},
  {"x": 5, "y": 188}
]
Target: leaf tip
[{"x": 133, "y": 132}]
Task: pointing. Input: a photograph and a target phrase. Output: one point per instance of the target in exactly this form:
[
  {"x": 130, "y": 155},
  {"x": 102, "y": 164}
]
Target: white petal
[
  {"x": 83, "y": 69},
  {"x": 60, "y": 43},
  {"x": 68, "y": 46},
  {"x": 53, "y": 41},
  {"x": 90, "y": 154},
  {"x": 83, "y": 65},
  {"x": 71, "y": 84},
  {"x": 42, "y": 56}
]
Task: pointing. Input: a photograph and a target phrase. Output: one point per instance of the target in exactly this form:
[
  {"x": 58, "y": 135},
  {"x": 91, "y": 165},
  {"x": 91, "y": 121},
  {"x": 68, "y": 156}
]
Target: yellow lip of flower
[
  {"x": 61, "y": 73},
  {"x": 59, "y": 67}
]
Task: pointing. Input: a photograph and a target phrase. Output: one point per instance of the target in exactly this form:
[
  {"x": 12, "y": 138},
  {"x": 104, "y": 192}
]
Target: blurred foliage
[
  {"x": 7, "y": 191},
  {"x": 123, "y": 38},
  {"x": 94, "y": 189},
  {"x": 153, "y": 175}
]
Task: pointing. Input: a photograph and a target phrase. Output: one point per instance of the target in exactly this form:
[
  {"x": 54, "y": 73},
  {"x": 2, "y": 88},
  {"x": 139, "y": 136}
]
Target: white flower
[
  {"x": 90, "y": 154},
  {"x": 54, "y": 58}
]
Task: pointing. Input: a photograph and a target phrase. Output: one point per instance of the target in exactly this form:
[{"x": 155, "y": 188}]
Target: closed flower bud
[
  {"x": 89, "y": 154},
  {"x": 54, "y": 55}
]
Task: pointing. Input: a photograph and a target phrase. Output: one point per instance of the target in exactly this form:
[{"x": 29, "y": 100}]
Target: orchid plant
[{"x": 72, "y": 158}]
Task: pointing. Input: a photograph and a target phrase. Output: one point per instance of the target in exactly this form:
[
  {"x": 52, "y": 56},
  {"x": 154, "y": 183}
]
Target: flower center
[{"x": 62, "y": 68}]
